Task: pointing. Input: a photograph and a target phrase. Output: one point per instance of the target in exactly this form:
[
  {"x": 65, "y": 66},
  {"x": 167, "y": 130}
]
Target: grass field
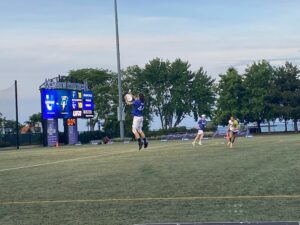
[{"x": 258, "y": 180}]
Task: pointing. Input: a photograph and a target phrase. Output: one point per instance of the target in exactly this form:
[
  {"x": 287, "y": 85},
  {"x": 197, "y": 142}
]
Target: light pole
[{"x": 120, "y": 111}]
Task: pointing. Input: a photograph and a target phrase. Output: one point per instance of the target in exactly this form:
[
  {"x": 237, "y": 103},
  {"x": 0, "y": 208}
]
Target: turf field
[{"x": 258, "y": 180}]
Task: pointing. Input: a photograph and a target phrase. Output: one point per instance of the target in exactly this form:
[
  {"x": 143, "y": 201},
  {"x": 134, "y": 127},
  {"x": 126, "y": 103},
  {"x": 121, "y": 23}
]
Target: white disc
[{"x": 128, "y": 97}]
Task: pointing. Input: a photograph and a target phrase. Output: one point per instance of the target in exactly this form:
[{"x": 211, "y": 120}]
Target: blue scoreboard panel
[{"x": 67, "y": 104}]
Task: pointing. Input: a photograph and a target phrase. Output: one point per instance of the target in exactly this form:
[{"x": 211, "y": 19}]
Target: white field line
[
  {"x": 82, "y": 158},
  {"x": 187, "y": 198}
]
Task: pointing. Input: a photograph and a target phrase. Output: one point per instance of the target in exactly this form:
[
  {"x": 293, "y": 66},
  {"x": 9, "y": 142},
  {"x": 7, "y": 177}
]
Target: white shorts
[
  {"x": 137, "y": 123},
  {"x": 200, "y": 131}
]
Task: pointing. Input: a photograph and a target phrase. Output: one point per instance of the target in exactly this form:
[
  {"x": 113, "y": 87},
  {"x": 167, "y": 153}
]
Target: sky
[{"x": 44, "y": 38}]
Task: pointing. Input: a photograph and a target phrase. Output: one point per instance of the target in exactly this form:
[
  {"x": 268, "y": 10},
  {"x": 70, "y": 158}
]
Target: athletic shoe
[
  {"x": 145, "y": 144},
  {"x": 140, "y": 145},
  {"x": 230, "y": 145},
  {"x": 200, "y": 143}
]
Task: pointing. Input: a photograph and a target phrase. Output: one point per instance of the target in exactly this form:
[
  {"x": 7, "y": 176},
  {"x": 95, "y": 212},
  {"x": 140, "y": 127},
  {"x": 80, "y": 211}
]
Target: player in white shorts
[
  {"x": 137, "y": 123},
  {"x": 201, "y": 126}
]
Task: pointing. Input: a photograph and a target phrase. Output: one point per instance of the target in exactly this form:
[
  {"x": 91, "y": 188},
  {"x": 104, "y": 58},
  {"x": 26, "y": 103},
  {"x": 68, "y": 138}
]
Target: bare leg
[
  {"x": 136, "y": 134},
  {"x": 142, "y": 135},
  {"x": 196, "y": 138},
  {"x": 200, "y": 138}
]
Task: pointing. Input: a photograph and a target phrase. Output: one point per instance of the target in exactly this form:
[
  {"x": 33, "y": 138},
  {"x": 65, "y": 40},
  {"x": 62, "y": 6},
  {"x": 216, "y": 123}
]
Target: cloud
[{"x": 32, "y": 59}]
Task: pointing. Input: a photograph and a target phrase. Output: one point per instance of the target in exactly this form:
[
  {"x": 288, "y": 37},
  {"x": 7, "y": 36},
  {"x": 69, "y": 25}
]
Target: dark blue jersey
[
  {"x": 137, "y": 108},
  {"x": 202, "y": 124}
]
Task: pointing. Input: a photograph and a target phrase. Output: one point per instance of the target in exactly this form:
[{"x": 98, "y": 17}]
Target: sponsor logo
[{"x": 77, "y": 113}]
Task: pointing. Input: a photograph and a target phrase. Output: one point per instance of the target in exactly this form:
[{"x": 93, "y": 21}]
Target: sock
[
  {"x": 145, "y": 140},
  {"x": 139, "y": 140}
]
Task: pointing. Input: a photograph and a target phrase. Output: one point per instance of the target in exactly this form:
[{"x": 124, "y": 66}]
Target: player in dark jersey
[
  {"x": 201, "y": 125},
  {"x": 137, "y": 112}
]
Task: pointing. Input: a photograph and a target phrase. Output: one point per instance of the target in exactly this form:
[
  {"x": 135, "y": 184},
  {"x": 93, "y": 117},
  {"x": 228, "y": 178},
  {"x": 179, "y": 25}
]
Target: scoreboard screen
[{"x": 67, "y": 104}]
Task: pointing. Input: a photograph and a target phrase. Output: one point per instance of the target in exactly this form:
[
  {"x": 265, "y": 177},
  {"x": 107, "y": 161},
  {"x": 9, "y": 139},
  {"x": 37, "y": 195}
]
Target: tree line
[{"x": 261, "y": 94}]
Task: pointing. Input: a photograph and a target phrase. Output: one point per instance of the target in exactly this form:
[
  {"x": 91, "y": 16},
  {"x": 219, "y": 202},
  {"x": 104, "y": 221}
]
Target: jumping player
[
  {"x": 201, "y": 126},
  {"x": 137, "y": 123},
  {"x": 233, "y": 128}
]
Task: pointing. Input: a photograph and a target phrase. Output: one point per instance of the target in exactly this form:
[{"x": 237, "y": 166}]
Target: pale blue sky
[{"x": 42, "y": 38}]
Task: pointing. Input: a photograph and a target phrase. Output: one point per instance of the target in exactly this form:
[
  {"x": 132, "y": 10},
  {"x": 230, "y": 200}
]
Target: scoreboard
[{"x": 67, "y": 104}]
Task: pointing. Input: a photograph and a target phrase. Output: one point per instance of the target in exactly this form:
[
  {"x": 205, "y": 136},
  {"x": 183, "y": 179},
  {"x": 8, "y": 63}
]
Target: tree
[
  {"x": 172, "y": 90},
  {"x": 103, "y": 84},
  {"x": 35, "y": 118},
  {"x": 202, "y": 93},
  {"x": 180, "y": 78},
  {"x": 257, "y": 78},
  {"x": 231, "y": 97},
  {"x": 285, "y": 93},
  {"x": 133, "y": 79},
  {"x": 156, "y": 78}
]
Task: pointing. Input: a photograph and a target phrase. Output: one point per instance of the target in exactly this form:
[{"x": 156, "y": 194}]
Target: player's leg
[
  {"x": 135, "y": 129},
  {"x": 230, "y": 134},
  {"x": 142, "y": 139},
  {"x": 146, "y": 143},
  {"x": 201, "y": 137},
  {"x": 232, "y": 139},
  {"x": 143, "y": 136},
  {"x": 228, "y": 137},
  {"x": 196, "y": 139}
]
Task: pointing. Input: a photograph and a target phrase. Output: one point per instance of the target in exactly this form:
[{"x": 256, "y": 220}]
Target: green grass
[{"x": 258, "y": 180}]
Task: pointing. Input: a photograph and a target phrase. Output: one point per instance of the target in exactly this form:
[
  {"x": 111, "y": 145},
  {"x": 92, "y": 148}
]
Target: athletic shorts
[
  {"x": 200, "y": 131},
  {"x": 137, "y": 123},
  {"x": 234, "y": 132}
]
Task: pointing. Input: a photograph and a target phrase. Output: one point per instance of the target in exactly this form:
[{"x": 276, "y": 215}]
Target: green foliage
[
  {"x": 257, "y": 78},
  {"x": 103, "y": 84},
  {"x": 284, "y": 96},
  {"x": 35, "y": 118},
  {"x": 172, "y": 90},
  {"x": 231, "y": 101},
  {"x": 202, "y": 94}
]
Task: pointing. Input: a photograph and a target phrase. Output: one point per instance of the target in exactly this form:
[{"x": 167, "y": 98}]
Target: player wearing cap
[{"x": 201, "y": 125}]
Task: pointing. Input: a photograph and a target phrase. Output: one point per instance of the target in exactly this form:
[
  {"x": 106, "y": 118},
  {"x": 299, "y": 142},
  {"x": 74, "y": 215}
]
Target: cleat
[
  {"x": 140, "y": 145},
  {"x": 145, "y": 144}
]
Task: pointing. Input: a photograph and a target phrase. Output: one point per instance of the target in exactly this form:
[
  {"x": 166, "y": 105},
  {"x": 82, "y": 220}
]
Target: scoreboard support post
[
  {"x": 70, "y": 131},
  {"x": 50, "y": 132}
]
